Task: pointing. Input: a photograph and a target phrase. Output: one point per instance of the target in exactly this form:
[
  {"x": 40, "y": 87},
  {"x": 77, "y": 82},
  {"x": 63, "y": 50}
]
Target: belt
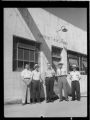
[
  {"x": 35, "y": 80},
  {"x": 75, "y": 81},
  {"x": 49, "y": 77},
  {"x": 61, "y": 75},
  {"x": 26, "y": 78}
]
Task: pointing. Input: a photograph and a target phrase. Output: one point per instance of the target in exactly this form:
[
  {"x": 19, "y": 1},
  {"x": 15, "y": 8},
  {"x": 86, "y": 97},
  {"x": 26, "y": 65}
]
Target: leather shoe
[
  {"x": 60, "y": 100},
  {"x": 23, "y": 103},
  {"x": 72, "y": 100},
  {"x": 47, "y": 101},
  {"x": 66, "y": 100}
]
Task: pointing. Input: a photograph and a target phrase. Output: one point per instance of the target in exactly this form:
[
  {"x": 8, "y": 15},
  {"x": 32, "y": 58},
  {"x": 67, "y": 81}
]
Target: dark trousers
[
  {"x": 49, "y": 82},
  {"x": 35, "y": 90},
  {"x": 75, "y": 88},
  {"x": 62, "y": 82}
]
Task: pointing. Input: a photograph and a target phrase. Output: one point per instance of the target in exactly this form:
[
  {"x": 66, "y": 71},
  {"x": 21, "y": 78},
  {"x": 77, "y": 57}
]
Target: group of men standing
[{"x": 50, "y": 75}]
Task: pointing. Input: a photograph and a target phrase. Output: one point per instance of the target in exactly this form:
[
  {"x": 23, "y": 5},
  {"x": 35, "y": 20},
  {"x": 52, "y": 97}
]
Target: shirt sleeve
[
  {"x": 53, "y": 72},
  {"x": 45, "y": 74},
  {"x": 79, "y": 75},
  {"x": 70, "y": 75},
  {"x": 57, "y": 72},
  {"x": 32, "y": 75}
]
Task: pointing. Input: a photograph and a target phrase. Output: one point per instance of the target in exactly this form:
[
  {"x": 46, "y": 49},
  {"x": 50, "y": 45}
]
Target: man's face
[
  {"x": 49, "y": 66},
  {"x": 27, "y": 67},
  {"x": 74, "y": 69},
  {"x": 60, "y": 66},
  {"x": 37, "y": 68}
]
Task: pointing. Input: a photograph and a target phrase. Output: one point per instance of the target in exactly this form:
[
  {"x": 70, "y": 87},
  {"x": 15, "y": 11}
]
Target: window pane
[
  {"x": 32, "y": 55},
  {"x": 56, "y": 52},
  {"x": 20, "y": 65},
  {"x": 14, "y": 65},
  {"x": 26, "y": 55},
  {"x": 20, "y": 54},
  {"x": 73, "y": 61},
  {"x": 28, "y": 46},
  {"x": 36, "y": 57},
  {"x": 32, "y": 65},
  {"x": 14, "y": 54},
  {"x": 84, "y": 63}
]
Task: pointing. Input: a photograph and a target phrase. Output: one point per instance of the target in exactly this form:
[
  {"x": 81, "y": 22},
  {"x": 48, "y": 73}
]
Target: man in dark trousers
[
  {"x": 62, "y": 81},
  {"x": 36, "y": 79},
  {"x": 75, "y": 77},
  {"x": 49, "y": 82}
]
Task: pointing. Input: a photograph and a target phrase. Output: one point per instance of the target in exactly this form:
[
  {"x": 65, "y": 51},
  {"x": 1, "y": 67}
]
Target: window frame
[
  {"x": 16, "y": 42},
  {"x": 79, "y": 57}
]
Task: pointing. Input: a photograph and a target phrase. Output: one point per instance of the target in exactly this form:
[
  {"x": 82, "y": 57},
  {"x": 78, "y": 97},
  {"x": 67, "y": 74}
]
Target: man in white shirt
[
  {"x": 62, "y": 81},
  {"x": 26, "y": 75},
  {"x": 49, "y": 82},
  {"x": 36, "y": 79},
  {"x": 75, "y": 77}
]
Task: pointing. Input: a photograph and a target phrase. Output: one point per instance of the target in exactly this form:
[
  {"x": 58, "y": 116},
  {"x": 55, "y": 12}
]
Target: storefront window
[
  {"x": 56, "y": 56},
  {"x": 79, "y": 59},
  {"x": 84, "y": 65},
  {"x": 71, "y": 62},
  {"x": 24, "y": 53}
]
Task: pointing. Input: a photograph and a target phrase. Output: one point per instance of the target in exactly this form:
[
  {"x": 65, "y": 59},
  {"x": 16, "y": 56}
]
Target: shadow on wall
[{"x": 35, "y": 31}]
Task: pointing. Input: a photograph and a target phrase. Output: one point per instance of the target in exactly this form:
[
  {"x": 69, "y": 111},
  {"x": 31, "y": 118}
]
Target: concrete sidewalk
[{"x": 54, "y": 109}]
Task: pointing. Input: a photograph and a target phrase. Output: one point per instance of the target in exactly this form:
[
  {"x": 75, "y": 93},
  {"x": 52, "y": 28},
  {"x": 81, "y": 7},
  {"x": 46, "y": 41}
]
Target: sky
[{"x": 75, "y": 16}]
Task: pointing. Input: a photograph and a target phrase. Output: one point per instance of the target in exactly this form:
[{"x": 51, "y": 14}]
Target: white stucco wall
[
  {"x": 48, "y": 24},
  {"x": 13, "y": 25}
]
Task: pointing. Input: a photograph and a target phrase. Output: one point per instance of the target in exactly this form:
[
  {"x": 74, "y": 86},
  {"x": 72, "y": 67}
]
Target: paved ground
[{"x": 55, "y": 109}]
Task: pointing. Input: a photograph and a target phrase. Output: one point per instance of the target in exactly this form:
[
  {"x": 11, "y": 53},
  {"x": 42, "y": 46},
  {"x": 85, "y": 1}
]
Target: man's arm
[
  {"x": 53, "y": 72},
  {"x": 79, "y": 75},
  {"x": 70, "y": 76}
]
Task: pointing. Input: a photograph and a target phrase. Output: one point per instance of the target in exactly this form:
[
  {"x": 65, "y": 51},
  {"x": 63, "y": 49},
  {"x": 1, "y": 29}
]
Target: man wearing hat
[
  {"x": 49, "y": 82},
  {"x": 75, "y": 77},
  {"x": 36, "y": 79},
  {"x": 26, "y": 75},
  {"x": 62, "y": 81}
]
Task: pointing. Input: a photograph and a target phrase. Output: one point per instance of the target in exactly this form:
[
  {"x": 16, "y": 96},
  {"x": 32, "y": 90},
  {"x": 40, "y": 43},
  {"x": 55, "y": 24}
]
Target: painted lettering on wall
[{"x": 54, "y": 39}]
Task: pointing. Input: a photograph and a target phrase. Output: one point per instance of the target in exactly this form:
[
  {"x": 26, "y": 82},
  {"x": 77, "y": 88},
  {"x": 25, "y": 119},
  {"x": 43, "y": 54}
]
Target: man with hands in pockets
[{"x": 26, "y": 75}]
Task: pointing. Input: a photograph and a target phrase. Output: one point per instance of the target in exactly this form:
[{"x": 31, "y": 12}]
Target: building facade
[{"x": 33, "y": 35}]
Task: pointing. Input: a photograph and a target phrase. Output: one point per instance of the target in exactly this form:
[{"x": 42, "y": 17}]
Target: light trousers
[
  {"x": 62, "y": 82},
  {"x": 25, "y": 93}
]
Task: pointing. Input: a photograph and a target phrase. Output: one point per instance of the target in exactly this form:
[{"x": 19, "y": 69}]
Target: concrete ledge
[{"x": 17, "y": 101}]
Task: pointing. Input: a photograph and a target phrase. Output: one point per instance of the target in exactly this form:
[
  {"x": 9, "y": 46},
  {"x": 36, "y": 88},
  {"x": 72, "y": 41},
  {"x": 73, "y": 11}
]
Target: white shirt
[
  {"x": 26, "y": 73},
  {"x": 49, "y": 73},
  {"x": 60, "y": 72},
  {"x": 36, "y": 75},
  {"x": 75, "y": 75}
]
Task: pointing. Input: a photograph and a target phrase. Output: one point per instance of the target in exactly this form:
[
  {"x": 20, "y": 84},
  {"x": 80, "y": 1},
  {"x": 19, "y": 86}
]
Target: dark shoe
[
  {"x": 60, "y": 100},
  {"x": 73, "y": 100},
  {"x": 66, "y": 100},
  {"x": 23, "y": 103},
  {"x": 39, "y": 101},
  {"x": 47, "y": 101},
  {"x": 78, "y": 99},
  {"x": 51, "y": 100}
]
